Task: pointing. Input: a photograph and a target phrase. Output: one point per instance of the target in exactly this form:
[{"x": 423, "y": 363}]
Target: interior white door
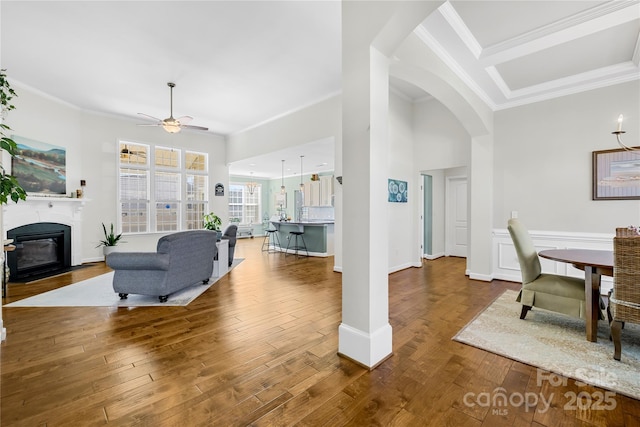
[{"x": 457, "y": 216}]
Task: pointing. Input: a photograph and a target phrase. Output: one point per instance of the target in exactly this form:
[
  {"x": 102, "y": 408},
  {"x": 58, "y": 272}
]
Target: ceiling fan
[{"x": 170, "y": 124}]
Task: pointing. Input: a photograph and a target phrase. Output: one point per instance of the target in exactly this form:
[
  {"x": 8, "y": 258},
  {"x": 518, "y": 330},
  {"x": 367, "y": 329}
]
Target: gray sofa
[{"x": 181, "y": 260}]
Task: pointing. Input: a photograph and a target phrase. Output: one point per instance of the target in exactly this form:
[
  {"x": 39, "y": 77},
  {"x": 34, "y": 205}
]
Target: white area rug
[
  {"x": 98, "y": 292},
  {"x": 557, "y": 343}
]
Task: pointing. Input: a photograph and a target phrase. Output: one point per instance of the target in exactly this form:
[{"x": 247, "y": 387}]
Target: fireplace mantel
[{"x": 62, "y": 210}]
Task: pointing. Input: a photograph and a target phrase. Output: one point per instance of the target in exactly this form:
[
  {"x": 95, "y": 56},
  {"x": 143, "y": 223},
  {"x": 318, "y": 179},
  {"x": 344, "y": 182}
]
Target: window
[
  {"x": 161, "y": 189},
  {"x": 244, "y": 205},
  {"x": 196, "y": 189}
]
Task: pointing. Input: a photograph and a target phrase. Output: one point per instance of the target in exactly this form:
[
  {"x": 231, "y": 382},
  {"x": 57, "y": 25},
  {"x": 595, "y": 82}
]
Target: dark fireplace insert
[{"x": 42, "y": 249}]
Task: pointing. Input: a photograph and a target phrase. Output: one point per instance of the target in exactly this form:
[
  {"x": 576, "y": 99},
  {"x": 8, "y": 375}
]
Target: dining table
[{"x": 595, "y": 264}]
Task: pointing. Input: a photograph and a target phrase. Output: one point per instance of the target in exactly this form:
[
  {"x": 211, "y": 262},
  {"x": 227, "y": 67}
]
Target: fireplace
[{"x": 42, "y": 249}]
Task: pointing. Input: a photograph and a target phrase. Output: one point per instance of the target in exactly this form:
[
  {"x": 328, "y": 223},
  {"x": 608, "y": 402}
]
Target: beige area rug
[
  {"x": 557, "y": 344},
  {"x": 98, "y": 292}
]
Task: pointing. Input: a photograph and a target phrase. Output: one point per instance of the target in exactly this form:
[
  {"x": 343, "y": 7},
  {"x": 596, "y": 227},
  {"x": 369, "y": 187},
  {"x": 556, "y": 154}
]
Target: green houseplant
[
  {"x": 110, "y": 239},
  {"x": 9, "y": 186},
  {"x": 211, "y": 221}
]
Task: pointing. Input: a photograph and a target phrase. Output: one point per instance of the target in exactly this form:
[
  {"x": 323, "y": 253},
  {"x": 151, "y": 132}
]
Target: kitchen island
[{"x": 318, "y": 235}]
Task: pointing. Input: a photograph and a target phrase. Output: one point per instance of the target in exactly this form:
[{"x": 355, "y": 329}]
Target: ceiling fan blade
[
  {"x": 150, "y": 117},
  {"x": 194, "y": 127},
  {"x": 148, "y": 124},
  {"x": 184, "y": 119}
]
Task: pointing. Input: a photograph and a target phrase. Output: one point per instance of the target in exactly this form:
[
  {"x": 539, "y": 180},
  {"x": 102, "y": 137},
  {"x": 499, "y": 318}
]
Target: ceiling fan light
[{"x": 171, "y": 127}]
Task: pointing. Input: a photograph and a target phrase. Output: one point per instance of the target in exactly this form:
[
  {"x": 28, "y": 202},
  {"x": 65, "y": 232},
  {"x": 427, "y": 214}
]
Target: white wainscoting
[{"x": 505, "y": 260}]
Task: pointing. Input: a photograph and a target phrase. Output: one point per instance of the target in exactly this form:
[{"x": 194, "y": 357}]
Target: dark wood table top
[{"x": 581, "y": 257}]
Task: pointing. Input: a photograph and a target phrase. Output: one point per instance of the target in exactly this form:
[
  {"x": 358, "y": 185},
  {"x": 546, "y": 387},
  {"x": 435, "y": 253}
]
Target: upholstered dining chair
[
  {"x": 553, "y": 292},
  {"x": 230, "y": 234},
  {"x": 624, "y": 301}
]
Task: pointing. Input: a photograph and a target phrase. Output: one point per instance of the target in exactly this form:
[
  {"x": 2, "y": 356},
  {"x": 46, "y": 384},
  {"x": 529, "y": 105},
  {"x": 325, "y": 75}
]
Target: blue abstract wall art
[{"x": 397, "y": 191}]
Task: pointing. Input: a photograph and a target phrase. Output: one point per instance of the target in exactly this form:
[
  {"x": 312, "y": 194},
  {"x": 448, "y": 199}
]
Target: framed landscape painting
[
  {"x": 39, "y": 167},
  {"x": 616, "y": 174}
]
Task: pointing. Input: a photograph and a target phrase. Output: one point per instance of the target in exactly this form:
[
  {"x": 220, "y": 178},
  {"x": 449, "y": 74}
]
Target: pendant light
[
  {"x": 282, "y": 189},
  {"x": 301, "y": 184}
]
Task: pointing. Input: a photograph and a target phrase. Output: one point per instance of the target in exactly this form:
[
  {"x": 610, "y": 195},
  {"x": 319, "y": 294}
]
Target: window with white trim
[
  {"x": 161, "y": 189},
  {"x": 245, "y": 205}
]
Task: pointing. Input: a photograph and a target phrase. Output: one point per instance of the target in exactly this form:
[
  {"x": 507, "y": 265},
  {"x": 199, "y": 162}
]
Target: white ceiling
[{"x": 237, "y": 64}]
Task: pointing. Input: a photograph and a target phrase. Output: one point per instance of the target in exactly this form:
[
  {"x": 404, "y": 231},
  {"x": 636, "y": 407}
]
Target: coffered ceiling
[
  {"x": 237, "y": 64},
  {"x": 516, "y": 52}
]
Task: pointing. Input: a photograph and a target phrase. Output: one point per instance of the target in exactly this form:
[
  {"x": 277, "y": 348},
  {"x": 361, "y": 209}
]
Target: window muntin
[
  {"x": 167, "y": 157},
  {"x": 133, "y": 154},
  {"x": 195, "y": 161}
]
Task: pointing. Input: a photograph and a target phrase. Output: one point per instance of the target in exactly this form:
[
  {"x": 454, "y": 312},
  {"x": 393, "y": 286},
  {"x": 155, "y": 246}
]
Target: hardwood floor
[{"x": 260, "y": 348}]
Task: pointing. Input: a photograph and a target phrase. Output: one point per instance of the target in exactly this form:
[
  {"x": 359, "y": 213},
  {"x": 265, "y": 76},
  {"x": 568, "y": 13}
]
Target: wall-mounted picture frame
[
  {"x": 397, "y": 191},
  {"x": 616, "y": 174},
  {"x": 40, "y": 168}
]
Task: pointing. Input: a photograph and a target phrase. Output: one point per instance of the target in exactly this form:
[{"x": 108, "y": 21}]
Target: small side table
[
  {"x": 7, "y": 248},
  {"x": 221, "y": 264}
]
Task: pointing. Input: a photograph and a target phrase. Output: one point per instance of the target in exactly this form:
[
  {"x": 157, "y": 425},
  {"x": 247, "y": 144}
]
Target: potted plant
[
  {"x": 110, "y": 240},
  {"x": 213, "y": 222},
  {"x": 9, "y": 186}
]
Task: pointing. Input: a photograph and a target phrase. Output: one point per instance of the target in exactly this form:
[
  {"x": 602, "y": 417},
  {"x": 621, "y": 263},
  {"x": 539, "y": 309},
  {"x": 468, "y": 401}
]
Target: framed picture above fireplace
[{"x": 40, "y": 167}]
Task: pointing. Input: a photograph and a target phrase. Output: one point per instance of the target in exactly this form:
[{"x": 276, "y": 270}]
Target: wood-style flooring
[{"x": 260, "y": 347}]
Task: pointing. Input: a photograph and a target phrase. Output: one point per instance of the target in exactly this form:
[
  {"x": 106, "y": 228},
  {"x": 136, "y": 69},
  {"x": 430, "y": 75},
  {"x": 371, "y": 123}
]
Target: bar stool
[
  {"x": 296, "y": 246},
  {"x": 270, "y": 240}
]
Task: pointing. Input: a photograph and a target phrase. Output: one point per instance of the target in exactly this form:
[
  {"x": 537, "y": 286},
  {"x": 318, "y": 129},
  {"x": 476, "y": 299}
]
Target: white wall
[
  {"x": 318, "y": 121},
  {"x": 543, "y": 166},
  {"x": 403, "y": 241},
  {"x": 441, "y": 142},
  {"x": 91, "y": 144},
  {"x": 441, "y": 149}
]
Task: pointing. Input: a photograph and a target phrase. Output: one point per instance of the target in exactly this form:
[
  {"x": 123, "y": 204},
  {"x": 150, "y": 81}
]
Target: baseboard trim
[{"x": 481, "y": 277}]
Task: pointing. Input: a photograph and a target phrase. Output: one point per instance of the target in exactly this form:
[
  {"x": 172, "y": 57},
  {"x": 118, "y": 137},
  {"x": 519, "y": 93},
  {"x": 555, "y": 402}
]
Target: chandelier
[{"x": 251, "y": 185}]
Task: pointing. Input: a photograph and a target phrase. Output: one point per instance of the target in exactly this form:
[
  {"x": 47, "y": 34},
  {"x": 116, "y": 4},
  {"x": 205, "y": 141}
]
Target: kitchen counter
[{"x": 318, "y": 235}]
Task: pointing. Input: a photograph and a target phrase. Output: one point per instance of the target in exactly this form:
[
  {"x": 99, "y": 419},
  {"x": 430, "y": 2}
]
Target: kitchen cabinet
[
  {"x": 326, "y": 190},
  {"x": 319, "y": 193},
  {"x": 312, "y": 193}
]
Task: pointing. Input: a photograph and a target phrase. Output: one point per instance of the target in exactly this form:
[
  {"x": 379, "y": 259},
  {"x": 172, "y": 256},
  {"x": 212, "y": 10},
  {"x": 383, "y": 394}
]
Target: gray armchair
[
  {"x": 230, "y": 234},
  {"x": 562, "y": 294}
]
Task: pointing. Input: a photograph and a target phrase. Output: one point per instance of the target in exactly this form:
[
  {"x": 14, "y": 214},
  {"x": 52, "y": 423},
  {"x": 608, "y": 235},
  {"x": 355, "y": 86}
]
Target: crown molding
[
  {"x": 588, "y": 22},
  {"x": 595, "y": 78},
  {"x": 631, "y": 74},
  {"x": 428, "y": 39},
  {"x": 635, "y": 58},
  {"x": 455, "y": 21}
]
